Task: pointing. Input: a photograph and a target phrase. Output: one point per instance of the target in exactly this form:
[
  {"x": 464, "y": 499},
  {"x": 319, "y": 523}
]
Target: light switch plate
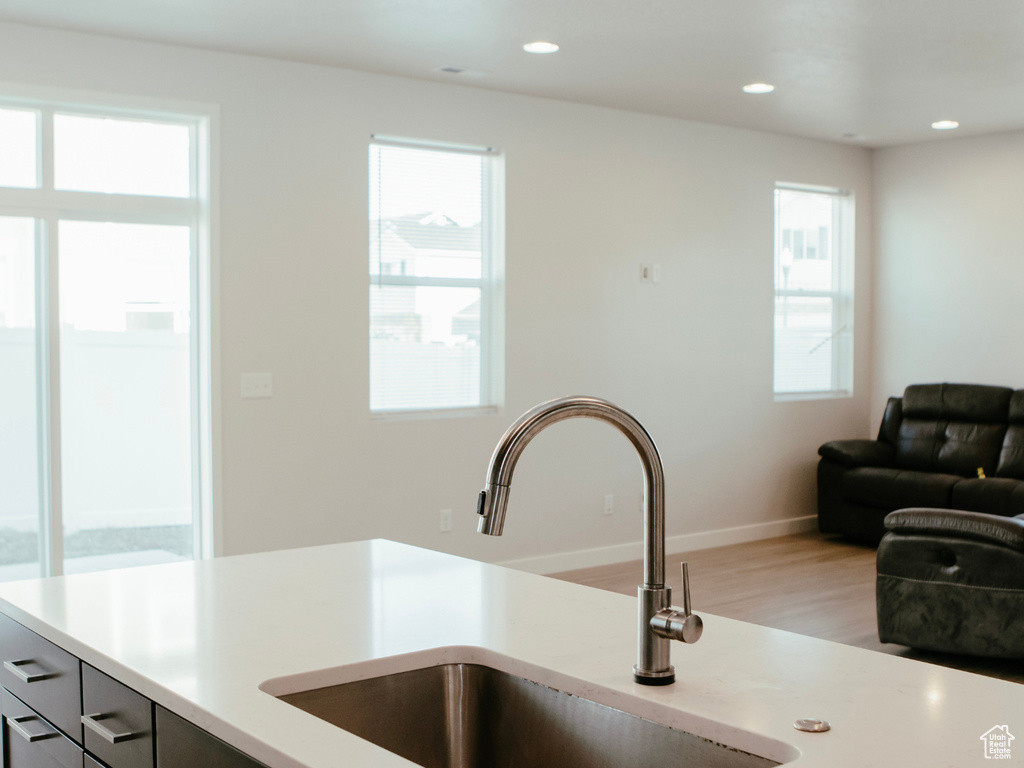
[{"x": 257, "y": 385}]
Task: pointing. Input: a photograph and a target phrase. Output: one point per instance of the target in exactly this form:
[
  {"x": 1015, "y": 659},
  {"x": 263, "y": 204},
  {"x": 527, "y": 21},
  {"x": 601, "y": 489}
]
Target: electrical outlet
[
  {"x": 609, "y": 504},
  {"x": 446, "y": 521},
  {"x": 256, "y": 385}
]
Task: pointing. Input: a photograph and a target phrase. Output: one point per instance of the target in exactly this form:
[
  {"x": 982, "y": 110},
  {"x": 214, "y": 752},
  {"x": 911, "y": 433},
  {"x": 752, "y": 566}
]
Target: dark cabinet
[
  {"x": 118, "y": 721},
  {"x": 30, "y": 741},
  {"x": 53, "y": 704},
  {"x": 45, "y": 677},
  {"x": 183, "y": 745}
]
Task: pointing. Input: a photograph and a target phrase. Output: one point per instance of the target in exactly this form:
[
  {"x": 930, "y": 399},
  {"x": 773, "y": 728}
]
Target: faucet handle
[
  {"x": 684, "y": 571},
  {"x": 683, "y": 625}
]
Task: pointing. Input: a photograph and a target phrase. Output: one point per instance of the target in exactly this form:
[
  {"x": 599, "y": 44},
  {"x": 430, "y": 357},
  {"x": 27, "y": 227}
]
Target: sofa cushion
[
  {"x": 1011, "y": 457},
  {"x": 954, "y": 447},
  {"x": 994, "y": 495},
  {"x": 957, "y": 402},
  {"x": 952, "y": 428},
  {"x": 964, "y": 448},
  {"x": 896, "y": 488},
  {"x": 915, "y": 444}
]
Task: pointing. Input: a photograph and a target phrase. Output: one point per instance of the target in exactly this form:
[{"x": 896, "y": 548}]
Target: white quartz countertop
[{"x": 201, "y": 638}]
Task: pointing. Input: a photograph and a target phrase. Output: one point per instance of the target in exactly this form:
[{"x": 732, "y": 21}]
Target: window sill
[
  {"x": 434, "y": 413},
  {"x": 786, "y": 397}
]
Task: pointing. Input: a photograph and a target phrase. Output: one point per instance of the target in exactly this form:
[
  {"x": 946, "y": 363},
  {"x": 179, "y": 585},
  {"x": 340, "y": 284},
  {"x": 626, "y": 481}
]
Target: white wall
[
  {"x": 950, "y": 264},
  {"x": 591, "y": 192}
]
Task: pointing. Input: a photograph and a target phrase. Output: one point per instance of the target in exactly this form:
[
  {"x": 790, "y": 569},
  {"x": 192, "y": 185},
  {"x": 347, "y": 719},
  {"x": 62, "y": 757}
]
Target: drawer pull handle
[
  {"x": 25, "y": 733},
  {"x": 92, "y": 722},
  {"x": 14, "y": 667}
]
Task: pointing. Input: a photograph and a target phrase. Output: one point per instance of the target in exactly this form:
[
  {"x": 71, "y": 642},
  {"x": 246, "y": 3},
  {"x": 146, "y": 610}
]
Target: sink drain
[{"x": 812, "y": 725}]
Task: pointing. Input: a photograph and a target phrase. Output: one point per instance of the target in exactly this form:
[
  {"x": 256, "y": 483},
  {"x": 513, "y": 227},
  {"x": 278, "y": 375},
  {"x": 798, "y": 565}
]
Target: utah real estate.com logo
[{"x": 997, "y": 742}]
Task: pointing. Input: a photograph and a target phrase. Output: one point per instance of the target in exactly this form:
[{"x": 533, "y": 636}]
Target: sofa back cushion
[
  {"x": 953, "y": 428},
  {"x": 1011, "y": 458}
]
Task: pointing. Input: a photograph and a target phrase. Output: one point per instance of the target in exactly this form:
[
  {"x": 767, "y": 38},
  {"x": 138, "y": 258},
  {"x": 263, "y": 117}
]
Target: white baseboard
[{"x": 687, "y": 542}]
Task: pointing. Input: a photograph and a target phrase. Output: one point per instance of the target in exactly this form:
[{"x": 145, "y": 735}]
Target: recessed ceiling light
[
  {"x": 758, "y": 88},
  {"x": 945, "y": 125},
  {"x": 540, "y": 46}
]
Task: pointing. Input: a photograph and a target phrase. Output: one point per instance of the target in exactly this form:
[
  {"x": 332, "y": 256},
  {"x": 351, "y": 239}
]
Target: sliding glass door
[
  {"x": 124, "y": 393},
  {"x": 21, "y": 411},
  {"x": 104, "y": 343}
]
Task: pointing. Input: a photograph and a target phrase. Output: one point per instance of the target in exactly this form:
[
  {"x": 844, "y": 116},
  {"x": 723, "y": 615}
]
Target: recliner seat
[{"x": 952, "y": 581}]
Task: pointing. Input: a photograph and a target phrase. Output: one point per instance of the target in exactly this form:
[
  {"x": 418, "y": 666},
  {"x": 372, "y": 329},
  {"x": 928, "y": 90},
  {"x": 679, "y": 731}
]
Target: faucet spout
[
  {"x": 493, "y": 500},
  {"x": 653, "y": 667}
]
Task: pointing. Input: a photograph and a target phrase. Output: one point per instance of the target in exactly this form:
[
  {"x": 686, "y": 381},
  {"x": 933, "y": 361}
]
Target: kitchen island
[{"x": 216, "y": 641}]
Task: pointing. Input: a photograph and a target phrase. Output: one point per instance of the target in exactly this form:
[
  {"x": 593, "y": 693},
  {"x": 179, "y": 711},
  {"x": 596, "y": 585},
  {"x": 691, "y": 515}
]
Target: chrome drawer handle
[
  {"x": 14, "y": 667},
  {"x": 92, "y": 722},
  {"x": 27, "y": 735}
]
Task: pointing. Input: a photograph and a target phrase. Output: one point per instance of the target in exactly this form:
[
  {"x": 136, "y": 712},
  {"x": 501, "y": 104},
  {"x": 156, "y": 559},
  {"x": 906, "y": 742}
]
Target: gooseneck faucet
[{"x": 660, "y": 622}]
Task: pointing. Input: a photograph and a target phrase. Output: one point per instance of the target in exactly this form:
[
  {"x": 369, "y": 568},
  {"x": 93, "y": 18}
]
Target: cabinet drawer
[
  {"x": 32, "y": 742},
  {"x": 45, "y": 677},
  {"x": 179, "y": 744},
  {"x": 118, "y": 721}
]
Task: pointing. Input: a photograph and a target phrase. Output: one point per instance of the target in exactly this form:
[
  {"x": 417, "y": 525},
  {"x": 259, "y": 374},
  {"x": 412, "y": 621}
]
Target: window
[
  {"x": 105, "y": 435},
  {"x": 813, "y": 292},
  {"x": 436, "y": 276}
]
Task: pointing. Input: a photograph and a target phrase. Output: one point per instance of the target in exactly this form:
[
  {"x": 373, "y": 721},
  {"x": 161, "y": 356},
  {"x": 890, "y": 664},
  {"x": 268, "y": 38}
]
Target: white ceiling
[{"x": 882, "y": 70}]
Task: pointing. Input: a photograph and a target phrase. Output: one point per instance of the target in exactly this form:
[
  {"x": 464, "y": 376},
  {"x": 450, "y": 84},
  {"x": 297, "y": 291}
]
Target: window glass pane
[
  {"x": 424, "y": 348},
  {"x": 813, "y": 331},
  {"x": 125, "y": 394},
  {"x": 804, "y": 261},
  {"x": 19, "y": 415},
  {"x": 425, "y": 212},
  {"x": 803, "y": 344},
  {"x": 129, "y": 157},
  {"x": 18, "y": 153}
]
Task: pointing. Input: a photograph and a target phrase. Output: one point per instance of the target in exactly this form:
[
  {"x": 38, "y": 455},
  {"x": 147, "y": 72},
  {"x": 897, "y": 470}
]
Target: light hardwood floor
[{"x": 807, "y": 583}]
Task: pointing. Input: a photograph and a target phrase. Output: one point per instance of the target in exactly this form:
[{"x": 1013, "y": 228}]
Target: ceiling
[{"x": 868, "y": 72}]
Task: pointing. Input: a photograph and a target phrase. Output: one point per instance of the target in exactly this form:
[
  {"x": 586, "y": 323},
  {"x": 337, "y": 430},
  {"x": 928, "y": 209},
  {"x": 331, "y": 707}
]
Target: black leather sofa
[
  {"x": 930, "y": 447},
  {"x": 952, "y": 581}
]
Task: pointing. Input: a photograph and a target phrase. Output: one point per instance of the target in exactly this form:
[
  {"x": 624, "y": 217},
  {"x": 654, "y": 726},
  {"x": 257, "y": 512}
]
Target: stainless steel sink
[{"x": 461, "y": 715}]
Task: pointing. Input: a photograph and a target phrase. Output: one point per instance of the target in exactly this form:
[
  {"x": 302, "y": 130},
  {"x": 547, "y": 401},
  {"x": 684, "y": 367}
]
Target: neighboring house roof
[
  {"x": 471, "y": 312},
  {"x": 434, "y": 231}
]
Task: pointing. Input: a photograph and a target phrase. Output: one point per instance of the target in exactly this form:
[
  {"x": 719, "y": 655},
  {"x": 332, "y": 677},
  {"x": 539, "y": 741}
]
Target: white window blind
[
  {"x": 813, "y": 292},
  {"x": 435, "y": 267}
]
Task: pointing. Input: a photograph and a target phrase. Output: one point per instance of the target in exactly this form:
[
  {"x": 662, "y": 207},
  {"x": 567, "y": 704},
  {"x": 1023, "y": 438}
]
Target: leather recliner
[
  {"x": 933, "y": 445},
  {"x": 952, "y": 581}
]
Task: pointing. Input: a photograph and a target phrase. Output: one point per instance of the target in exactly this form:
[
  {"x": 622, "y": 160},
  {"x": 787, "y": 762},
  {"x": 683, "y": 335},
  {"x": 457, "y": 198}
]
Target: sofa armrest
[
  {"x": 859, "y": 453},
  {"x": 992, "y": 529}
]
